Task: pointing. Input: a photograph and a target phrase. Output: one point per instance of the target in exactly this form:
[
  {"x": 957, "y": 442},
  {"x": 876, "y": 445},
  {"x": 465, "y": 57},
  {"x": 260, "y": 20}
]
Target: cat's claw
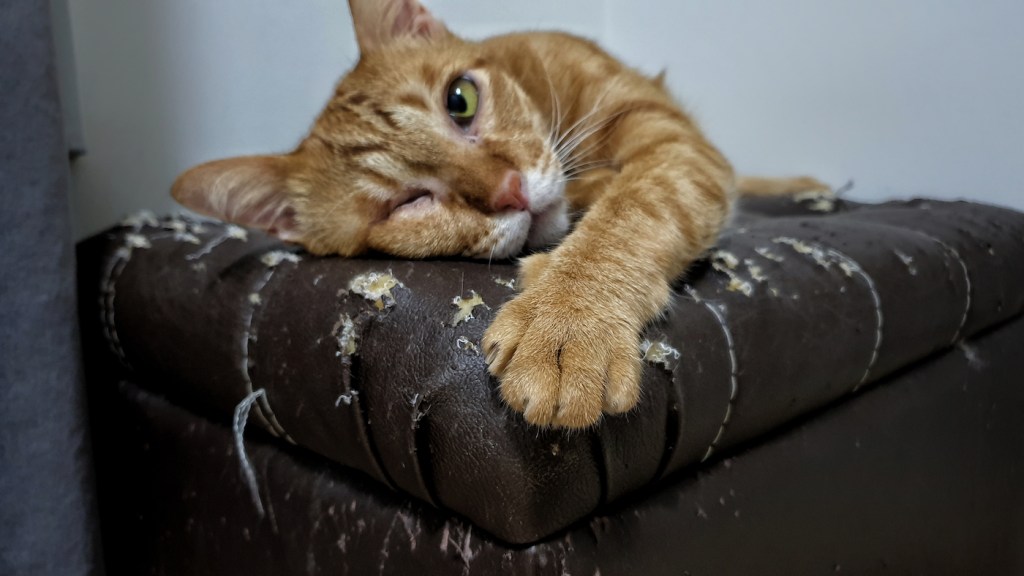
[{"x": 561, "y": 362}]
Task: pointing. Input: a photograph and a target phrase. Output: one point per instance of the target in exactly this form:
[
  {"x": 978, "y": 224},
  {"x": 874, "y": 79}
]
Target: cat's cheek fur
[{"x": 342, "y": 232}]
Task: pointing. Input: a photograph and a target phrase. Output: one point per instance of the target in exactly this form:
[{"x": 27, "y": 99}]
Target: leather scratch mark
[{"x": 466, "y": 307}]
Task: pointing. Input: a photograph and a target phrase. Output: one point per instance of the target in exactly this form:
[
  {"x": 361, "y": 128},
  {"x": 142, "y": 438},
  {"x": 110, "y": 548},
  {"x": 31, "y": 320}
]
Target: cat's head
[{"x": 428, "y": 147}]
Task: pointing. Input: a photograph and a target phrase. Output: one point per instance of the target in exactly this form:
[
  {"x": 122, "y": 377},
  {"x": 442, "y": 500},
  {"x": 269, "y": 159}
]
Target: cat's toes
[
  {"x": 622, "y": 391},
  {"x": 562, "y": 366},
  {"x": 553, "y": 387},
  {"x": 534, "y": 393},
  {"x": 581, "y": 390},
  {"x": 565, "y": 377},
  {"x": 502, "y": 338}
]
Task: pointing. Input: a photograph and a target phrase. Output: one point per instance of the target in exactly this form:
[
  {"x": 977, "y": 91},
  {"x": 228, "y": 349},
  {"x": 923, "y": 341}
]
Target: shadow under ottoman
[{"x": 835, "y": 391}]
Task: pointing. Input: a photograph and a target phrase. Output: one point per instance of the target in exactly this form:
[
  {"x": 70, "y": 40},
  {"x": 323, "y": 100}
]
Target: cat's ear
[
  {"x": 250, "y": 191},
  {"x": 379, "y": 22}
]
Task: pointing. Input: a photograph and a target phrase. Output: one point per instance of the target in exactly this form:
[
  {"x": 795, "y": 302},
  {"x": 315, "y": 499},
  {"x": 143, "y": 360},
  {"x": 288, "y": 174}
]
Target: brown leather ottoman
[{"x": 838, "y": 388}]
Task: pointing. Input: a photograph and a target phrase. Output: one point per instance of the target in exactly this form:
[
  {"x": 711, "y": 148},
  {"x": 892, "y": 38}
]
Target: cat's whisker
[
  {"x": 586, "y": 166},
  {"x": 587, "y": 131},
  {"x": 572, "y": 134},
  {"x": 579, "y": 164},
  {"x": 581, "y": 123},
  {"x": 582, "y": 168},
  {"x": 556, "y": 108},
  {"x": 580, "y": 154},
  {"x": 584, "y": 158},
  {"x": 577, "y": 172},
  {"x": 573, "y": 144},
  {"x": 573, "y": 176}
]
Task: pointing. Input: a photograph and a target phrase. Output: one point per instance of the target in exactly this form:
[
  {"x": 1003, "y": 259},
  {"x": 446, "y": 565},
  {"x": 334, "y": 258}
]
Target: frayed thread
[{"x": 241, "y": 418}]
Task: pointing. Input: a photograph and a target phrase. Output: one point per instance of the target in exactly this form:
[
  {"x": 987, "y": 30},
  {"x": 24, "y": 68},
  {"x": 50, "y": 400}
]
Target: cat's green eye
[{"x": 462, "y": 101}]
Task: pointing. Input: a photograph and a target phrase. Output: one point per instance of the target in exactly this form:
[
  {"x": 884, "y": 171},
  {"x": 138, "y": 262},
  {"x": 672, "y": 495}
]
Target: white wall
[
  {"x": 164, "y": 84},
  {"x": 906, "y": 96}
]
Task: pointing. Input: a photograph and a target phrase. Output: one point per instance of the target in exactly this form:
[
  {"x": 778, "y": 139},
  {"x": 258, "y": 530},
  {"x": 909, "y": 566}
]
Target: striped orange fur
[{"x": 559, "y": 128}]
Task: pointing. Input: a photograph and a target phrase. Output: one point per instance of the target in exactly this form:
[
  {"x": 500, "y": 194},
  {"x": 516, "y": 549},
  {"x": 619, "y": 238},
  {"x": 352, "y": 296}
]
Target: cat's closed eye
[{"x": 416, "y": 201}]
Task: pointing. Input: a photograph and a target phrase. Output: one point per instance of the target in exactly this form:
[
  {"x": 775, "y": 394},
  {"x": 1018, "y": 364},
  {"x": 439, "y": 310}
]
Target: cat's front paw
[{"x": 564, "y": 356}]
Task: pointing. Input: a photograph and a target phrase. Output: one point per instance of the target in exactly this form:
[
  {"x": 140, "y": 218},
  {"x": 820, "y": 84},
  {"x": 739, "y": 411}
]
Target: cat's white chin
[
  {"x": 549, "y": 218},
  {"x": 509, "y": 233}
]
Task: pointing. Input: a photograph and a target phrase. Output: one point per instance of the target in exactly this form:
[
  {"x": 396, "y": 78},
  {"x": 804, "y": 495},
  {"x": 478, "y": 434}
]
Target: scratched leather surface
[{"x": 796, "y": 310}]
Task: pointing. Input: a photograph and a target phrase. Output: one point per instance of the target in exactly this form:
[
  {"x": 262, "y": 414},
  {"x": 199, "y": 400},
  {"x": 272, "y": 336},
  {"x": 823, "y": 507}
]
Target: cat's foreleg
[{"x": 567, "y": 348}]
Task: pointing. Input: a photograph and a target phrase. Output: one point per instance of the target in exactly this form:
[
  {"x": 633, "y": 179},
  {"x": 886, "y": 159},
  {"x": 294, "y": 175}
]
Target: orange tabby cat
[{"x": 433, "y": 145}]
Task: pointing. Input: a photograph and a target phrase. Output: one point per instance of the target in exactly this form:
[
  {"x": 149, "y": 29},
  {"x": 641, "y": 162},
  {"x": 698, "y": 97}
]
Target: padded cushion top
[{"x": 375, "y": 363}]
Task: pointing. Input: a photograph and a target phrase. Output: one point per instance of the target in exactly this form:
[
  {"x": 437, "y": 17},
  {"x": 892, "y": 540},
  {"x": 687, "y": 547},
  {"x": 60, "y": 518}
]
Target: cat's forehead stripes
[
  {"x": 413, "y": 100},
  {"x": 356, "y": 98},
  {"x": 350, "y": 149},
  {"x": 386, "y": 116}
]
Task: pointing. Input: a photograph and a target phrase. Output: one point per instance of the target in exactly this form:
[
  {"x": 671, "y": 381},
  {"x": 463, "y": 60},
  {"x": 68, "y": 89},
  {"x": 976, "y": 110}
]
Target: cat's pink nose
[{"x": 510, "y": 195}]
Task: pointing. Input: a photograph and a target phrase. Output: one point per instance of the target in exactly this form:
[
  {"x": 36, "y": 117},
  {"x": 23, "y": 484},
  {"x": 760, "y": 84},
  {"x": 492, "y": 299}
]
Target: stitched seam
[
  {"x": 967, "y": 281},
  {"x": 263, "y": 410},
  {"x": 734, "y": 386},
  {"x": 108, "y": 290},
  {"x": 818, "y": 253}
]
